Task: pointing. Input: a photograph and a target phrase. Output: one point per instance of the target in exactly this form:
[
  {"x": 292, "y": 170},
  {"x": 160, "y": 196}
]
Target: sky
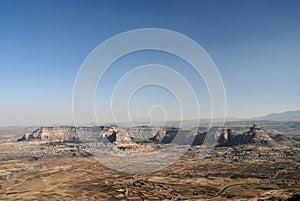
[{"x": 254, "y": 44}]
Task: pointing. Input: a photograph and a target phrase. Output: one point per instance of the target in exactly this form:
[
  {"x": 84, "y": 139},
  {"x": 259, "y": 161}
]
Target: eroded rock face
[
  {"x": 117, "y": 136},
  {"x": 52, "y": 134},
  {"x": 230, "y": 138},
  {"x": 165, "y": 135},
  {"x": 254, "y": 135},
  {"x": 259, "y": 135},
  {"x": 199, "y": 138},
  {"x": 71, "y": 133},
  {"x": 174, "y": 136}
]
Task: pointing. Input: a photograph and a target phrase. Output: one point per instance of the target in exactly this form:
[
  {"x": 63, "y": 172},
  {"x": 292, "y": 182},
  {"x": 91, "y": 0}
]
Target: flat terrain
[{"x": 64, "y": 171}]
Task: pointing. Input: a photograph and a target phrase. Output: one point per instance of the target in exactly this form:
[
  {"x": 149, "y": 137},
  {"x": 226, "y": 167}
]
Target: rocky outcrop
[
  {"x": 117, "y": 136},
  {"x": 258, "y": 135},
  {"x": 173, "y": 135},
  {"x": 52, "y": 134},
  {"x": 165, "y": 135},
  {"x": 230, "y": 138},
  {"x": 254, "y": 135},
  {"x": 199, "y": 138},
  {"x": 70, "y": 133},
  {"x": 226, "y": 138}
]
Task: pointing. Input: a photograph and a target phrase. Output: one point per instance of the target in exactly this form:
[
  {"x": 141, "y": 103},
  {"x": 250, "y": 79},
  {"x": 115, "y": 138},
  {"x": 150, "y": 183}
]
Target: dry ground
[{"x": 30, "y": 171}]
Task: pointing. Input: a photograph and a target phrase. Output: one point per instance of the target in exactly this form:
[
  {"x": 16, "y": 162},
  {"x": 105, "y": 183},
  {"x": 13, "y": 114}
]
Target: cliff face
[
  {"x": 174, "y": 136},
  {"x": 165, "y": 135},
  {"x": 117, "y": 136},
  {"x": 254, "y": 135},
  {"x": 226, "y": 139},
  {"x": 52, "y": 134},
  {"x": 71, "y": 133}
]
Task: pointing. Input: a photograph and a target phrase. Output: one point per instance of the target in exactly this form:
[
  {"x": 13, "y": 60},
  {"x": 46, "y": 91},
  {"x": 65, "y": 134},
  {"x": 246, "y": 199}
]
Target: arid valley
[
  {"x": 149, "y": 100},
  {"x": 250, "y": 162}
]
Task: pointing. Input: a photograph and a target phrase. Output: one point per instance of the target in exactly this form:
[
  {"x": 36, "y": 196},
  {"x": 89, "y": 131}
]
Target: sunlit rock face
[
  {"x": 254, "y": 135},
  {"x": 121, "y": 137},
  {"x": 52, "y": 134},
  {"x": 117, "y": 136},
  {"x": 71, "y": 133},
  {"x": 230, "y": 138}
]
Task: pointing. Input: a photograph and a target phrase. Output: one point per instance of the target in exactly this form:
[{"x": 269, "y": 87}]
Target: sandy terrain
[{"x": 32, "y": 171}]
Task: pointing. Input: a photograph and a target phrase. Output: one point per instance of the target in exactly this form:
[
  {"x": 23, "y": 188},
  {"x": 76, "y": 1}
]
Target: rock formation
[
  {"x": 173, "y": 135},
  {"x": 121, "y": 138},
  {"x": 254, "y": 135},
  {"x": 71, "y": 133},
  {"x": 117, "y": 136},
  {"x": 199, "y": 138},
  {"x": 231, "y": 138},
  {"x": 52, "y": 134},
  {"x": 165, "y": 135}
]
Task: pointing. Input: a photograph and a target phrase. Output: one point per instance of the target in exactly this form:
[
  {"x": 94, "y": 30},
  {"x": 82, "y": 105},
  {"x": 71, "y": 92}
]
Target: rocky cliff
[
  {"x": 254, "y": 135},
  {"x": 165, "y": 135},
  {"x": 227, "y": 137},
  {"x": 71, "y": 133},
  {"x": 173, "y": 135},
  {"x": 52, "y": 134},
  {"x": 117, "y": 136}
]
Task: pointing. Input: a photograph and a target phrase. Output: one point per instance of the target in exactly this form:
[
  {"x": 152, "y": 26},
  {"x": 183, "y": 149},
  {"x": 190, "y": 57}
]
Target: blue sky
[{"x": 254, "y": 44}]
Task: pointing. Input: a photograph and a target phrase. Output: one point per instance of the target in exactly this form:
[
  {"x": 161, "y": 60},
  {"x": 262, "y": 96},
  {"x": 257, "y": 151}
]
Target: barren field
[{"x": 63, "y": 171}]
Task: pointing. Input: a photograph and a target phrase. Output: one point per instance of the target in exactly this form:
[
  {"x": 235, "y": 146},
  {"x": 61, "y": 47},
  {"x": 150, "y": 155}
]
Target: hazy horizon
[{"x": 148, "y": 122}]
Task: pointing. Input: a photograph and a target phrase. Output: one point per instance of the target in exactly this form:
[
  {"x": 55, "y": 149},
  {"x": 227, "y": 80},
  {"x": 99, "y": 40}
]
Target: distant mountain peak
[{"x": 282, "y": 116}]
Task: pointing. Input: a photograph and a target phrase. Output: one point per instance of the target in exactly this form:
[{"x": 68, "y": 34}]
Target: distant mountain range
[{"x": 283, "y": 116}]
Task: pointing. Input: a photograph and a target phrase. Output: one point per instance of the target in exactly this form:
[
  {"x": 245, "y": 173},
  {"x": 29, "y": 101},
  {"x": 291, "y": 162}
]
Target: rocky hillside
[
  {"x": 120, "y": 137},
  {"x": 52, "y": 134},
  {"x": 117, "y": 136},
  {"x": 254, "y": 135},
  {"x": 227, "y": 138},
  {"x": 174, "y": 135},
  {"x": 71, "y": 133},
  {"x": 165, "y": 135}
]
